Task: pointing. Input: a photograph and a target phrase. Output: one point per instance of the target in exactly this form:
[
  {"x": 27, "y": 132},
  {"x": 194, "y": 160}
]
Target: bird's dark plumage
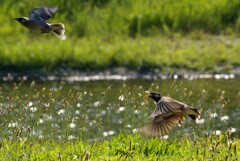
[
  {"x": 42, "y": 13},
  {"x": 37, "y": 21},
  {"x": 166, "y": 115}
]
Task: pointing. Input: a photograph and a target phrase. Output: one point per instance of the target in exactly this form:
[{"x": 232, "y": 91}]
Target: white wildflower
[
  {"x": 213, "y": 114},
  {"x": 165, "y": 137},
  {"x": 13, "y": 124},
  {"x": 61, "y": 111},
  {"x": 224, "y": 118},
  {"x": 217, "y": 132},
  {"x": 71, "y": 137},
  {"x": 111, "y": 132},
  {"x": 97, "y": 103},
  {"x": 77, "y": 112},
  {"x": 78, "y": 105},
  {"x": 199, "y": 121},
  {"x": 120, "y": 109},
  {"x": 33, "y": 109},
  {"x": 121, "y": 98},
  {"x": 105, "y": 134},
  {"x": 40, "y": 121},
  {"x": 30, "y": 104},
  {"x": 233, "y": 130},
  {"x": 72, "y": 125}
]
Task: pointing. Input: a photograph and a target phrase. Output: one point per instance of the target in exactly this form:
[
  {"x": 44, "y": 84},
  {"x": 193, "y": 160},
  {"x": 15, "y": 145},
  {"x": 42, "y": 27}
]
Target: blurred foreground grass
[{"x": 140, "y": 35}]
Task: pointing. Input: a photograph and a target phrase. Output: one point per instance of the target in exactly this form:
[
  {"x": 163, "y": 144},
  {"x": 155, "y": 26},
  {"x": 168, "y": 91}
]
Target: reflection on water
[{"x": 101, "y": 109}]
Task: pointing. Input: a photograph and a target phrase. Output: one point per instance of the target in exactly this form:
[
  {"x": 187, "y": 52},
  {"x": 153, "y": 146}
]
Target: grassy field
[
  {"x": 136, "y": 35},
  {"x": 100, "y": 121},
  {"x": 126, "y": 147}
]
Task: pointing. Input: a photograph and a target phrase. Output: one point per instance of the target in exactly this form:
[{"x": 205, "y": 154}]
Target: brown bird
[
  {"x": 166, "y": 115},
  {"x": 37, "y": 21}
]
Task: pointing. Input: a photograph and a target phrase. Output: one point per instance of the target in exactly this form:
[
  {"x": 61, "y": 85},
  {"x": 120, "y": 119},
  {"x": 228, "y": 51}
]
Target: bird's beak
[{"x": 147, "y": 94}]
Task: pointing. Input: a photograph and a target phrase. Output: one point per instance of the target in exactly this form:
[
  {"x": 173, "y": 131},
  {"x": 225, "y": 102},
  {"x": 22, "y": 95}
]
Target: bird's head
[
  {"x": 22, "y": 20},
  {"x": 155, "y": 96}
]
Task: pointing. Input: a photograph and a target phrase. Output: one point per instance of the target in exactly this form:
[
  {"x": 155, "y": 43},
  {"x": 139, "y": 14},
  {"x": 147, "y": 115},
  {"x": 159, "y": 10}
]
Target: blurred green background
[{"x": 166, "y": 35}]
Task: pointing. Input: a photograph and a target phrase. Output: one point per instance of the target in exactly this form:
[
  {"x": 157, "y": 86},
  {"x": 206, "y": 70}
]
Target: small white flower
[
  {"x": 224, "y": 118},
  {"x": 103, "y": 112},
  {"x": 71, "y": 137},
  {"x": 40, "y": 121},
  {"x": 46, "y": 104},
  {"x": 233, "y": 130},
  {"x": 129, "y": 126},
  {"x": 48, "y": 117},
  {"x": 78, "y": 105},
  {"x": 121, "y": 98},
  {"x": 142, "y": 103},
  {"x": 119, "y": 121},
  {"x": 165, "y": 137},
  {"x": 217, "y": 132},
  {"x": 33, "y": 109},
  {"x": 72, "y": 125},
  {"x": 75, "y": 157},
  {"x": 136, "y": 111},
  {"x": 213, "y": 114},
  {"x": 175, "y": 76},
  {"x": 54, "y": 125},
  {"x": 105, "y": 134},
  {"x": 97, "y": 103},
  {"x": 199, "y": 121},
  {"x": 77, "y": 112},
  {"x": 111, "y": 132},
  {"x": 120, "y": 109},
  {"x": 30, "y": 104},
  {"x": 135, "y": 130},
  {"x": 13, "y": 124},
  {"x": 40, "y": 136},
  {"x": 61, "y": 111}
]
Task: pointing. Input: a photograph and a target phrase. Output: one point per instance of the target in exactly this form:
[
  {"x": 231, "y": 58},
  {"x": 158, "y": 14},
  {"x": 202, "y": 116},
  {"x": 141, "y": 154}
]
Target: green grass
[
  {"x": 125, "y": 147},
  {"x": 206, "y": 54},
  {"x": 166, "y": 35}
]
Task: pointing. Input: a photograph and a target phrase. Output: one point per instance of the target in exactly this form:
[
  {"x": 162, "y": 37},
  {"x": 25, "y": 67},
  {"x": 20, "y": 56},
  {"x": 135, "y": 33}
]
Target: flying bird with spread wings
[
  {"x": 37, "y": 21},
  {"x": 166, "y": 115}
]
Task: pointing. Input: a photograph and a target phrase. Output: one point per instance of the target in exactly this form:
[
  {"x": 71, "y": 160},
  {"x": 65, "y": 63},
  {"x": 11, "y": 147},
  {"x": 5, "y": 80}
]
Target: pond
[{"x": 96, "y": 110}]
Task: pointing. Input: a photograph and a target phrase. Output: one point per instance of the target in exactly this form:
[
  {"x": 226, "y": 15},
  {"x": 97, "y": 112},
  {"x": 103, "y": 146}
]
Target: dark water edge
[{"x": 70, "y": 75}]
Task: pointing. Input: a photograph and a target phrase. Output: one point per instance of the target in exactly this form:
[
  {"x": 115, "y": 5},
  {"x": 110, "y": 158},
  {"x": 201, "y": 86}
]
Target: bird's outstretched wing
[
  {"x": 166, "y": 106},
  {"x": 42, "y": 13},
  {"x": 163, "y": 127}
]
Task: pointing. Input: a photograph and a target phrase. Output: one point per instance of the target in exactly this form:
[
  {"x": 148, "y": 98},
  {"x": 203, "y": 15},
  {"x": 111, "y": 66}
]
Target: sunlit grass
[{"x": 126, "y": 147}]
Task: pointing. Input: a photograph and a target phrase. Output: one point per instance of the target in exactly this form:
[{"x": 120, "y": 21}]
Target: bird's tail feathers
[
  {"x": 59, "y": 30},
  {"x": 192, "y": 112}
]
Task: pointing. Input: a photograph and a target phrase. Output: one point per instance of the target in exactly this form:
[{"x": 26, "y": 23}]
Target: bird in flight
[
  {"x": 166, "y": 115},
  {"x": 37, "y": 21}
]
